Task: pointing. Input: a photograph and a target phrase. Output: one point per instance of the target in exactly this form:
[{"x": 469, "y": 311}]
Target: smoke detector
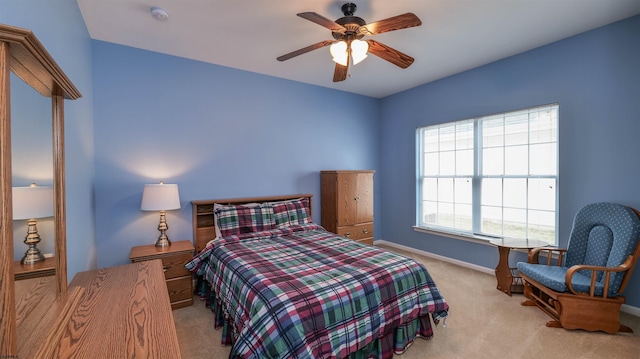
[{"x": 159, "y": 13}]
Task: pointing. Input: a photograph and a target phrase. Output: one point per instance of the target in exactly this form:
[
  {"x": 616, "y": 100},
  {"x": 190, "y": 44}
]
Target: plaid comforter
[{"x": 303, "y": 292}]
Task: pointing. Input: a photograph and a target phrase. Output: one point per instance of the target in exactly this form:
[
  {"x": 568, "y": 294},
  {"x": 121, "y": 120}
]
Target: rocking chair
[{"x": 583, "y": 289}]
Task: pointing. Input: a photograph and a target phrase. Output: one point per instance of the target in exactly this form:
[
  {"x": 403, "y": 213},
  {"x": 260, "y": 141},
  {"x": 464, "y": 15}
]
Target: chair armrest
[
  {"x": 550, "y": 251},
  {"x": 594, "y": 269}
]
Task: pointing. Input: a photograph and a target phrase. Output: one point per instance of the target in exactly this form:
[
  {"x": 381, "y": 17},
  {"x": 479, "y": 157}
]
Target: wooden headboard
[{"x": 204, "y": 228}]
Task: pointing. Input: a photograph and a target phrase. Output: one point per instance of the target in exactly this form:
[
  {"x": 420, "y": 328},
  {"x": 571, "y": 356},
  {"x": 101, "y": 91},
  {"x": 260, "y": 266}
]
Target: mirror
[
  {"x": 31, "y": 159},
  {"x": 31, "y": 162},
  {"x": 23, "y": 56}
]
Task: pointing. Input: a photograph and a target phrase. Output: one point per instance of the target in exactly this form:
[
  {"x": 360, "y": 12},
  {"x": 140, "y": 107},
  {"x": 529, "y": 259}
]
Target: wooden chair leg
[
  {"x": 625, "y": 329},
  {"x": 554, "y": 324}
]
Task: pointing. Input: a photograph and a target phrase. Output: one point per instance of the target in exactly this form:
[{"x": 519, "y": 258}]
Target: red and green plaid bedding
[{"x": 303, "y": 292}]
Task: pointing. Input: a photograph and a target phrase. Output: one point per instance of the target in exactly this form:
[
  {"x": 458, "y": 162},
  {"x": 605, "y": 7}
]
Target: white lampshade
[
  {"x": 160, "y": 197},
  {"x": 32, "y": 202},
  {"x": 359, "y": 50}
]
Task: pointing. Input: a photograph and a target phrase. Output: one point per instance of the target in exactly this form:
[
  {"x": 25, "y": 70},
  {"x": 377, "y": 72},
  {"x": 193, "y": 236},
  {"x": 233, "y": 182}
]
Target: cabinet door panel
[
  {"x": 347, "y": 199},
  {"x": 365, "y": 198}
]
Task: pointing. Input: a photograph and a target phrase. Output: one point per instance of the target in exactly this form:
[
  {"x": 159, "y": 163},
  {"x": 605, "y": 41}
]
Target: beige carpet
[{"x": 483, "y": 323}]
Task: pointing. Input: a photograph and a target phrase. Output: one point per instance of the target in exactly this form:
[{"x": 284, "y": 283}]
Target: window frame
[{"x": 475, "y": 233}]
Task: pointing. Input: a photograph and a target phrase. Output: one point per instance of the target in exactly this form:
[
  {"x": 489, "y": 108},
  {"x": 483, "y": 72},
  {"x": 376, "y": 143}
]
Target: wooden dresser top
[{"x": 124, "y": 313}]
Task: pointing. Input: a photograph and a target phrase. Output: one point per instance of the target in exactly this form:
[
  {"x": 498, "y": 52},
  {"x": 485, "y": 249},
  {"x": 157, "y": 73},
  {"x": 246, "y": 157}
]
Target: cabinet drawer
[
  {"x": 368, "y": 241},
  {"x": 179, "y": 289},
  {"x": 173, "y": 266},
  {"x": 359, "y": 231}
]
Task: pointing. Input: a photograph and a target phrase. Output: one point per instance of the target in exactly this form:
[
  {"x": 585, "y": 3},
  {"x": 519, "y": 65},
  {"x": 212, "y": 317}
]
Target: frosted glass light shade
[
  {"x": 359, "y": 50},
  {"x": 160, "y": 197},
  {"x": 32, "y": 202},
  {"x": 339, "y": 53}
]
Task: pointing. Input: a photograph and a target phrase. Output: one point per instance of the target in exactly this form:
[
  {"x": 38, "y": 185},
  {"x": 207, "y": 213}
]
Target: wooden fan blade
[
  {"x": 390, "y": 54},
  {"x": 305, "y": 50},
  {"x": 340, "y": 73},
  {"x": 393, "y": 23},
  {"x": 322, "y": 21}
]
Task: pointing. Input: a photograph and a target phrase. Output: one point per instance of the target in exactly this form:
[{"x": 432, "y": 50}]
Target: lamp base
[
  {"x": 163, "y": 242},
  {"x": 31, "y": 256},
  {"x": 163, "y": 239}
]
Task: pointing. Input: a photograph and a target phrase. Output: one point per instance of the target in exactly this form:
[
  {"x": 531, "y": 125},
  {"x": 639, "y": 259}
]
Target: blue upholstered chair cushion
[
  {"x": 554, "y": 277},
  {"x": 603, "y": 234}
]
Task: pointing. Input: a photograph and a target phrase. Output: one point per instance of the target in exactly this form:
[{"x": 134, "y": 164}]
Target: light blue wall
[
  {"x": 60, "y": 28},
  {"x": 595, "y": 77},
  {"x": 215, "y": 131}
]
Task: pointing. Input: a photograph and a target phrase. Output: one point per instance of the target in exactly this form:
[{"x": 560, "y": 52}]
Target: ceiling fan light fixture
[
  {"x": 346, "y": 46},
  {"x": 338, "y": 52},
  {"x": 359, "y": 50}
]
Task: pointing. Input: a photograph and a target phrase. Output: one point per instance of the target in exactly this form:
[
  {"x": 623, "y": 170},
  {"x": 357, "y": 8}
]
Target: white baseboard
[{"x": 635, "y": 311}]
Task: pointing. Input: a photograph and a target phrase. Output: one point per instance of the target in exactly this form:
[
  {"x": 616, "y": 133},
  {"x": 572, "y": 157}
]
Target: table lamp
[
  {"x": 30, "y": 203},
  {"x": 161, "y": 197}
]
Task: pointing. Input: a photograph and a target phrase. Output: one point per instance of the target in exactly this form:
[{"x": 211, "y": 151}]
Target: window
[{"x": 494, "y": 176}]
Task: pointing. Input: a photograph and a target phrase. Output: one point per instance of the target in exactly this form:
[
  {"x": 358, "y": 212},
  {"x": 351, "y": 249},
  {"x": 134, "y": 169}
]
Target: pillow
[
  {"x": 238, "y": 219},
  {"x": 215, "y": 215},
  {"x": 290, "y": 213}
]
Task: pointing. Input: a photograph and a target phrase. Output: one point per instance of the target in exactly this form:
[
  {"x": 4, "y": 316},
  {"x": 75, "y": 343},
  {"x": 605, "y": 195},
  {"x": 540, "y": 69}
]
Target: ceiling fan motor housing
[
  {"x": 349, "y": 9},
  {"x": 351, "y": 23}
]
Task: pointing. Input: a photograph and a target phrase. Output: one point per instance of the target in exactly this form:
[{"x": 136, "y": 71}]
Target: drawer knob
[
  {"x": 348, "y": 234},
  {"x": 165, "y": 268},
  {"x": 365, "y": 231}
]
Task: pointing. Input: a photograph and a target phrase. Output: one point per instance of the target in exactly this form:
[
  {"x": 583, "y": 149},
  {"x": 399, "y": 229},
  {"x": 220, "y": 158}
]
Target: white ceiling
[{"x": 456, "y": 35}]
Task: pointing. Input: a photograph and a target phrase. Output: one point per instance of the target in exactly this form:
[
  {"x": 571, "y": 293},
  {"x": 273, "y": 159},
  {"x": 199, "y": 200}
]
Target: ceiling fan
[{"x": 348, "y": 46}]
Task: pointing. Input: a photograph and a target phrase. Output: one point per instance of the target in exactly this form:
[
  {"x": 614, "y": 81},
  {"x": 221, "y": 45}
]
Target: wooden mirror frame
[{"x": 23, "y": 54}]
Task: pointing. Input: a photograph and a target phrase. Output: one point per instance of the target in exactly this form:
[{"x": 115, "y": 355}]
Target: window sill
[
  {"x": 461, "y": 236},
  {"x": 464, "y": 237}
]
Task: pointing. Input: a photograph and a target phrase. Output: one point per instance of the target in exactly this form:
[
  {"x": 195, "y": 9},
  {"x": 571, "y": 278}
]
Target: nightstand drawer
[
  {"x": 179, "y": 289},
  {"x": 173, "y": 266},
  {"x": 178, "y": 278}
]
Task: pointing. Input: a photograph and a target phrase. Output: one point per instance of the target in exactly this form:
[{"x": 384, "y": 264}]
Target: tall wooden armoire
[{"x": 347, "y": 203}]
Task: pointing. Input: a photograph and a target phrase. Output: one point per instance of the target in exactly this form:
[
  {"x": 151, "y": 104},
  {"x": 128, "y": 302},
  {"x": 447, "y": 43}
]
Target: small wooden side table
[
  {"x": 178, "y": 278},
  {"x": 508, "y": 279},
  {"x": 35, "y": 270}
]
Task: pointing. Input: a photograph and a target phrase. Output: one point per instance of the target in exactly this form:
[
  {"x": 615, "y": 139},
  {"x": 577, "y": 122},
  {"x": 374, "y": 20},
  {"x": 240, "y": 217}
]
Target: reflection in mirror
[
  {"x": 32, "y": 159},
  {"x": 31, "y": 162},
  {"x": 32, "y": 203}
]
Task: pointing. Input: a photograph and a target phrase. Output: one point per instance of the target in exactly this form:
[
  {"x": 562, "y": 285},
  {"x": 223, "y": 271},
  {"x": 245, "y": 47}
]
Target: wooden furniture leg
[{"x": 503, "y": 272}]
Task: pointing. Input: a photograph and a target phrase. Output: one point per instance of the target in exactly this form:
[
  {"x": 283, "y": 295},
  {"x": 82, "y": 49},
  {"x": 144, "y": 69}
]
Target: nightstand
[{"x": 174, "y": 257}]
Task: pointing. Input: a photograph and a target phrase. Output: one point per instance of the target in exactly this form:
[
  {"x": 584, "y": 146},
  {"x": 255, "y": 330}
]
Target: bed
[{"x": 281, "y": 286}]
